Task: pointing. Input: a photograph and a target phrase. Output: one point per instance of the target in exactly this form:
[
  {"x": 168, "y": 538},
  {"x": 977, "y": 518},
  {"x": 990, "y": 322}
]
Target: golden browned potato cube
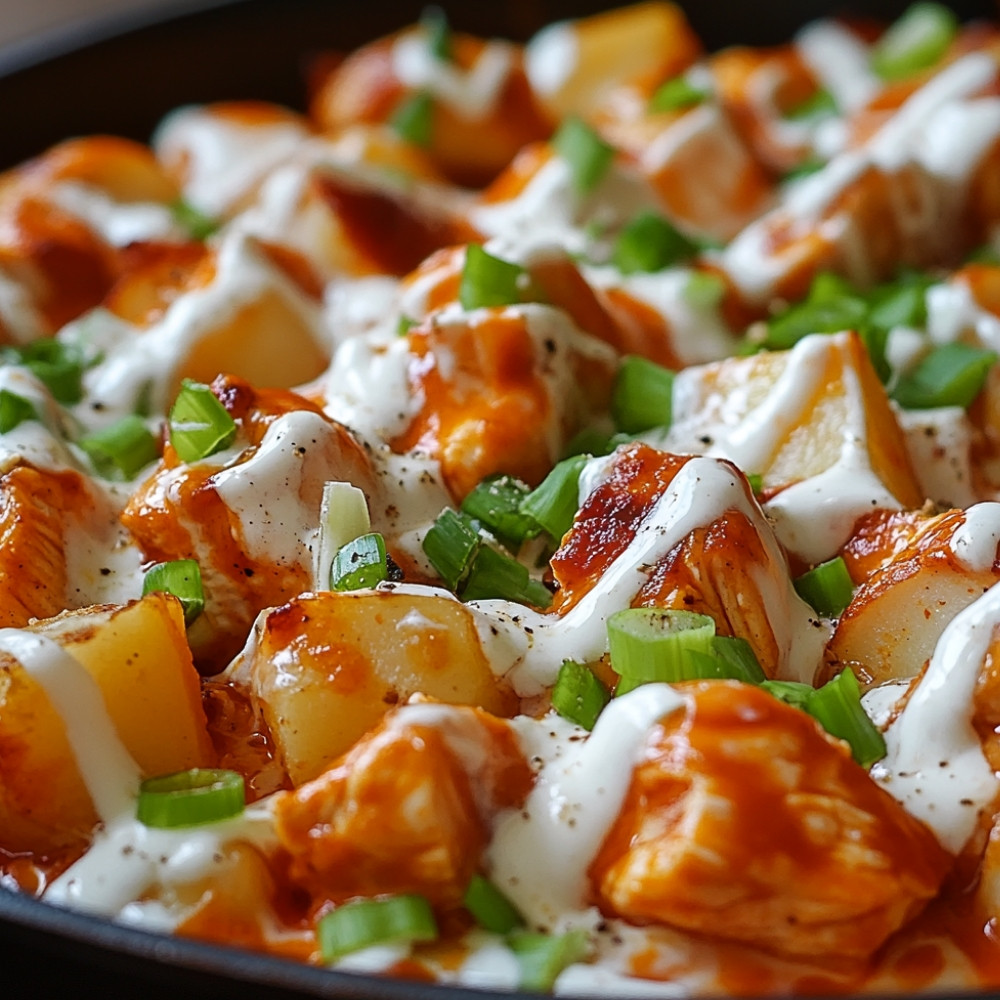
[
  {"x": 138, "y": 655},
  {"x": 325, "y": 668}
]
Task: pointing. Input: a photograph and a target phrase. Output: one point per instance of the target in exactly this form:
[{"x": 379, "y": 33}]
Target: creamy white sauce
[
  {"x": 840, "y": 61},
  {"x": 975, "y": 540},
  {"x": 528, "y": 647},
  {"x": 935, "y": 764},
  {"x": 540, "y": 853},
  {"x": 471, "y": 93},
  {"x": 224, "y": 158},
  {"x": 119, "y": 223}
]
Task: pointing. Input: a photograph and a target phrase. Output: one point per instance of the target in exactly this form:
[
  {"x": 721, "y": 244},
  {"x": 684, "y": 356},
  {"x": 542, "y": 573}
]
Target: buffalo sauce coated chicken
[{"x": 529, "y": 521}]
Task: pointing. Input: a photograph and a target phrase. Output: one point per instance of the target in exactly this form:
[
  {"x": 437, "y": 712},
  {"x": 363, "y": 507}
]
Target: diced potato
[
  {"x": 138, "y": 655},
  {"x": 324, "y": 668},
  {"x": 890, "y": 628},
  {"x": 572, "y": 65}
]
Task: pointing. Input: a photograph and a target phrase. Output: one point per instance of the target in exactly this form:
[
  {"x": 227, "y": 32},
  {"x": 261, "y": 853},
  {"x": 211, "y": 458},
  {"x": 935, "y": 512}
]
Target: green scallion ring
[
  {"x": 365, "y": 923},
  {"x": 190, "y": 798}
]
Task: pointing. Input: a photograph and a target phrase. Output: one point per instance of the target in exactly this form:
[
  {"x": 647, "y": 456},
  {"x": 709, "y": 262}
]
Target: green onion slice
[
  {"x": 915, "y": 41},
  {"x": 739, "y": 662},
  {"x": 197, "y": 225},
  {"x": 828, "y": 587},
  {"x": 677, "y": 94},
  {"x": 199, "y": 424},
  {"x": 554, "y": 502},
  {"x": 496, "y": 504},
  {"x": 586, "y": 153},
  {"x": 190, "y": 798},
  {"x": 837, "y": 707},
  {"x": 434, "y": 23},
  {"x": 642, "y": 396},
  {"x": 650, "y": 243},
  {"x": 364, "y": 923},
  {"x": 121, "y": 450},
  {"x": 494, "y": 575},
  {"x": 343, "y": 516},
  {"x": 182, "y": 578},
  {"x": 490, "y": 907},
  {"x": 831, "y": 306},
  {"x": 57, "y": 365},
  {"x": 950, "y": 375},
  {"x": 450, "y": 545},
  {"x": 818, "y": 105},
  {"x": 543, "y": 956},
  {"x": 488, "y": 280},
  {"x": 14, "y": 410},
  {"x": 360, "y": 564},
  {"x": 414, "y": 119},
  {"x": 704, "y": 290},
  {"x": 658, "y": 644},
  {"x": 579, "y": 695}
]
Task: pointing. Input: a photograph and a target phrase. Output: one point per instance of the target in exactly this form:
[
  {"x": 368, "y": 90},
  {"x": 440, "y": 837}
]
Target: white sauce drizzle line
[
  {"x": 107, "y": 768},
  {"x": 935, "y": 764},
  {"x": 540, "y": 853}
]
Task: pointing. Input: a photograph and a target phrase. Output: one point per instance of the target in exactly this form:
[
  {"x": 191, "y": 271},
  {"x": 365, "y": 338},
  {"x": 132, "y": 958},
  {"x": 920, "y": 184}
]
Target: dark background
[
  {"x": 261, "y": 49},
  {"x": 77, "y": 84}
]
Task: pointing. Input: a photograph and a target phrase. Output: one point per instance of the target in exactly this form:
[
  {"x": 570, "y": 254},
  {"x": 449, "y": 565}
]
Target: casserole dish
[{"x": 124, "y": 85}]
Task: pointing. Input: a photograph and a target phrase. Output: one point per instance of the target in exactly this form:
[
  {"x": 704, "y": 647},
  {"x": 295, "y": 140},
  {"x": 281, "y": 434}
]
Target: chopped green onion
[
  {"x": 831, "y": 306},
  {"x": 450, "y": 545},
  {"x": 704, "y": 290},
  {"x": 806, "y": 168},
  {"x": 642, "y": 396},
  {"x": 182, "y": 578},
  {"x": 828, "y": 587},
  {"x": 677, "y": 94},
  {"x": 404, "y": 325},
  {"x": 121, "y": 450},
  {"x": 820, "y": 104},
  {"x": 14, "y": 410},
  {"x": 199, "y": 424},
  {"x": 876, "y": 342},
  {"x": 198, "y": 225},
  {"x": 190, "y": 798},
  {"x": 434, "y": 23},
  {"x": 554, "y": 502},
  {"x": 756, "y": 482},
  {"x": 650, "y": 243},
  {"x": 915, "y": 41},
  {"x": 578, "y": 694},
  {"x": 740, "y": 661},
  {"x": 413, "y": 120},
  {"x": 587, "y": 154},
  {"x": 490, "y": 907},
  {"x": 984, "y": 254},
  {"x": 902, "y": 302},
  {"x": 57, "y": 365},
  {"x": 791, "y": 692},
  {"x": 496, "y": 504},
  {"x": 656, "y": 644},
  {"x": 343, "y": 516},
  {"x": 950, "y": 375},
  {"x": 488, "y": 280},
  {"x": 360, "y": 564},
  {"x": 837, "y": 707},
  {"x": 364, "y": 923},
  {"x": 543, "y": 956},
  {"x": 494, "y": 575}
]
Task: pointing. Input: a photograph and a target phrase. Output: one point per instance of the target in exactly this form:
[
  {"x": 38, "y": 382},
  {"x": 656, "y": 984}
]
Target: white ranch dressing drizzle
[
  {"x": 539, "y": 854},
  {"x": 119, "y": 223},
  {"x": 266, "y": 491},
  {"x": 528, "y": 647},
  {"x": 952, "y": 311},
  {"x": 19, "y": 316},
  {"x": 224, "y": 158},
  {"x": 108, "y": 771},
  {"x": 975, "y": 540},
  {"x": 150, "y": 357},
  {"x": 471, "y": 93},
  {"x": 935, "y": 766},
  {"x": 839, "y": 60}
]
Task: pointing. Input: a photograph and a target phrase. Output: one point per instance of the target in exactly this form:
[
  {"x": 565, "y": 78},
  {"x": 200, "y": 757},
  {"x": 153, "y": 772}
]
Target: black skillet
[{"x": 120, "y": 76}]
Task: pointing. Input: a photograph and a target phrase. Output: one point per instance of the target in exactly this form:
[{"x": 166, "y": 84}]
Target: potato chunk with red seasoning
[
  {"x": 407, "y": 809},
  {"x": 744, "y": 820},
  {"x": 324, "y": 668}
]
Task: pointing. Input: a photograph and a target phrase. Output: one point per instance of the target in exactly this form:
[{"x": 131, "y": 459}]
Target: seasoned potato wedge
[
  {"x": 138, "y": 655},
  {"x": 325, "y": 668}
]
